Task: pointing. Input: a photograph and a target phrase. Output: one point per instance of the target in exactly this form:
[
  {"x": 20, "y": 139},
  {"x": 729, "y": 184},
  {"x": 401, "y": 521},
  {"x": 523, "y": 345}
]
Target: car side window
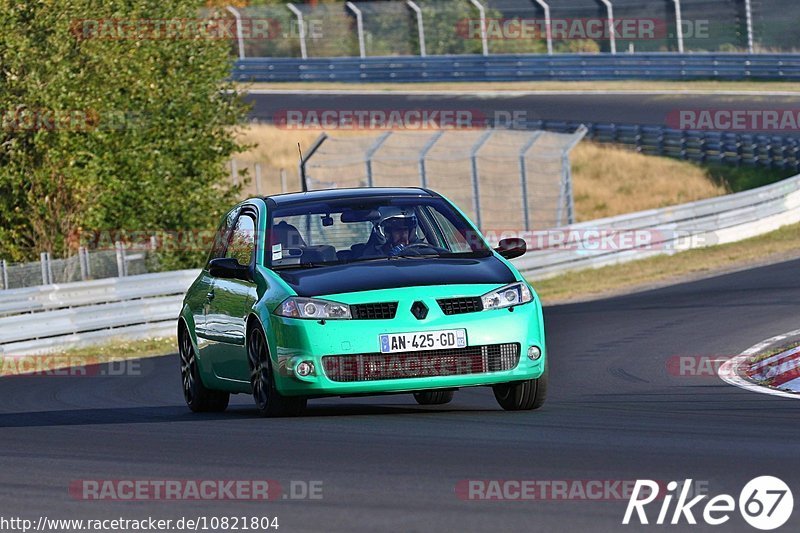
[
  {"x": 242, "y": 244},
  {"x": 223, "y": 232}
]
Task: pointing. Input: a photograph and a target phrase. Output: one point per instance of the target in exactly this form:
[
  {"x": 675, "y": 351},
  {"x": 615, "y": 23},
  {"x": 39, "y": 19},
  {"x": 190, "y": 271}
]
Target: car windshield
[{"x": 352, "y": 230}]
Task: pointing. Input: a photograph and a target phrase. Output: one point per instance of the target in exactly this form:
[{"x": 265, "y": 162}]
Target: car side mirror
[
  {"x": 511, "y": 248},
  {"x": 228, "y": 268}
]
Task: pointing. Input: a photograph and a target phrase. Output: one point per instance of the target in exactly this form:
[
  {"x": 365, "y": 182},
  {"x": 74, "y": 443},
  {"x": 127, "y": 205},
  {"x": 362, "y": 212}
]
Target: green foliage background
[{"x": 152, "y": 155}]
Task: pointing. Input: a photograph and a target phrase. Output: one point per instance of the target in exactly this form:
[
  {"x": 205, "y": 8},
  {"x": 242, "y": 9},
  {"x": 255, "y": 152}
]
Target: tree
[{"x": 110, "y": 122}]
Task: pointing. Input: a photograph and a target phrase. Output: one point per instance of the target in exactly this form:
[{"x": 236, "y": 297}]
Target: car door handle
[{"x": 210, "y": 296}]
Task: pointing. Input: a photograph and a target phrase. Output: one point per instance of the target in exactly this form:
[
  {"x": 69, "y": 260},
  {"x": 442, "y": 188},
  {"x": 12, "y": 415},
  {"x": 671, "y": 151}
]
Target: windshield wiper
[
  {"x": 410, "y": 256},
  {"x": 301, "y": 265}
]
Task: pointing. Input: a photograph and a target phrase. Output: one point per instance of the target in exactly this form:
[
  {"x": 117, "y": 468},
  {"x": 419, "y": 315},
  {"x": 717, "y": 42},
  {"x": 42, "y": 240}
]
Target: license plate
[{"x": 423, "y": 340}]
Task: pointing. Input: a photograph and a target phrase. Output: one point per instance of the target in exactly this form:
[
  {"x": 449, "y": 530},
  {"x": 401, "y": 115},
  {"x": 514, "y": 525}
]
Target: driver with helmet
[{"x": 393, "y": 232}]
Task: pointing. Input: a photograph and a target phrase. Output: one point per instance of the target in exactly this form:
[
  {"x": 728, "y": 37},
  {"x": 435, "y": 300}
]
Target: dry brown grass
[{"x": 607, "y": 180}]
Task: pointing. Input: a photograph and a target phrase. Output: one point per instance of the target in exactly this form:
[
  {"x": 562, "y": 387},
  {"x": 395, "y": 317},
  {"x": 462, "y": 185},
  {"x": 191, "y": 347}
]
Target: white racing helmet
[{"x": 392, "y": 217}]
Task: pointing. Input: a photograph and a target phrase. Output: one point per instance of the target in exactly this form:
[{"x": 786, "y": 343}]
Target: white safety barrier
[
  {"x": 669, "y": 230},
  {"x": 54, "y": 317}
]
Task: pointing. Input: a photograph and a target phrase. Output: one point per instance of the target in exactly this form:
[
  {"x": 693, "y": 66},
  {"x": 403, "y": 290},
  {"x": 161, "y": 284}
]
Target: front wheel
[
  {"x": 197, "y": 396},
  {"x": 269, "y": 401},
  {"x": 522, "y": 395},
  {"x": 433, "y": 397}
]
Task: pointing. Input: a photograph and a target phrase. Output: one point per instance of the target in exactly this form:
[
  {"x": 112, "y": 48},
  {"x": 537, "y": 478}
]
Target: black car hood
[{"x": 389, "y": 274}]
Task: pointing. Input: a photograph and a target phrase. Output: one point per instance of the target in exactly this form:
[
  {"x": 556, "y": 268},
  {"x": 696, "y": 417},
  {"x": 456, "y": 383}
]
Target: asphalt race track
[
  {"x": 652, "y": 108},
  {"x": 614, "y": 413}
]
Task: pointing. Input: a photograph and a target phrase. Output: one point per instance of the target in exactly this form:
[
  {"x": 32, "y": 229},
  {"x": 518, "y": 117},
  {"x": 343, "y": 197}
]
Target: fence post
[
  {"x": 523, "y": 176},
  {"x": 370, "y": 152},
  {"x": 234, "y": 172},
  {"x": 43, "y": 262},
  {"x": 301, "y": 166},
  {"x": 678, "y": 24},
  {"x": 548, "y": 25},
  {"x": 258, "y": 179},
  {"x": 748, "y": 12},
  {"x": 82, "y": 263},
  {"x": 359, "y": 27},
  {"x": 301, "y": 28},
  {"x": 88, "y": 262},
  {"x": 476, "y": 190},
  {"x": 420, "y": 28},
  {"x": 482, "y": 15},
  {"x": 120, "y": 259},
  {"x": 567, "y": 201},
  {"x": 423, "y": 176},
  {"x": 284, "y": 187},
  {"x": 612, "y": 38},
  {"x": 239, "y": 33},
  {"x": 4, "y": 266}
]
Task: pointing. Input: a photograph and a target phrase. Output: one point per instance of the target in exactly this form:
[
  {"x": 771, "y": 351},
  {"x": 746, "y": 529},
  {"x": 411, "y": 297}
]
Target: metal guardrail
[
  {"x": 148, "y": 305},
  {"x": 601, "y": 66},
  {"x": 778, "y": 151},
  {"x": 671, "y": 229},
  {"x": 50, "y": 317}
]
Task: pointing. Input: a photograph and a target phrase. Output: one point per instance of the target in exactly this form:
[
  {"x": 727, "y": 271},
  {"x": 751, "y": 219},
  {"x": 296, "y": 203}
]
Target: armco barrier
[
  {"x": 673, "y": 229},
  {"x": 38, "y": 319},
  {"x": 735, "y": 148},
  {"x": 54, "y": 317},
  {"x": 498, "y": 68}
]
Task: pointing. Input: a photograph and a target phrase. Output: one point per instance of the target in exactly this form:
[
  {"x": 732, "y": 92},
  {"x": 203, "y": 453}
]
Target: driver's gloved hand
[{"x": 396, "y": 249}]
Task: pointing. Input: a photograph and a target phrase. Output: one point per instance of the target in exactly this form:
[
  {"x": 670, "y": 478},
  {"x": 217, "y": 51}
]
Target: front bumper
[{"x": 293, "y": 341}]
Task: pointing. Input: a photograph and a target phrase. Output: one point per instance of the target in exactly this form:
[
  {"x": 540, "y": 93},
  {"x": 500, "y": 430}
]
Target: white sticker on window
[{"x": 277, "y": 253}]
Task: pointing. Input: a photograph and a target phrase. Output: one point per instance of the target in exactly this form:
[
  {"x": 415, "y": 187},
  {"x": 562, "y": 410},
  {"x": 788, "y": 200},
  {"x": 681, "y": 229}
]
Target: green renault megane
[{"x": 350, "y": 292}]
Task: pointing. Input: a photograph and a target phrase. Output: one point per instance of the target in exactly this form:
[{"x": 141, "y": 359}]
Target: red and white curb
[{"x": 779, "y": 370}]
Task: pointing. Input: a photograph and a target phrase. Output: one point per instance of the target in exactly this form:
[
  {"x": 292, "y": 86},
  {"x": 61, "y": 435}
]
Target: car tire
[
  {"x": 269, "y": 402},
  {"x": 433, "y": 397},
  {"x": 199, "y": 398},
  {"x": 522, "y": 395}
]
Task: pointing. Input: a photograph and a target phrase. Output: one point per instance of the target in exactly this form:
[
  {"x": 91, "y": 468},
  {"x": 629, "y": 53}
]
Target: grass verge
[
  {"x": 774, "y": 351},
  {"x": 783, "y": 243},
  {"x": 116, "y": 350}
]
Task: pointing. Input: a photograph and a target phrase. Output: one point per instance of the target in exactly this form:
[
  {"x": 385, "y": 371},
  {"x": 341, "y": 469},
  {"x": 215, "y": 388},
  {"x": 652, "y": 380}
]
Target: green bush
[{"x": 135, "y": 132}]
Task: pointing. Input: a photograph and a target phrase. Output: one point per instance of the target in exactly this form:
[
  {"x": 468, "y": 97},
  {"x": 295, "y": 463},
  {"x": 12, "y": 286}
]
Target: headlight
[
  {"x": 514, "y": 294},
  {"x": 313, "y": 308}
]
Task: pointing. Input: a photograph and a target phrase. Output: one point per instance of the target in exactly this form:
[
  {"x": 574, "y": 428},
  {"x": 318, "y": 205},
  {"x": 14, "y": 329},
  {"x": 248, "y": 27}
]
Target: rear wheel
[
  {"x": 269, "y": 401},
  {"x": 197, "y": 396},
  {"x": 433, "y": 397},
  {"x": 522, "y": 395}
]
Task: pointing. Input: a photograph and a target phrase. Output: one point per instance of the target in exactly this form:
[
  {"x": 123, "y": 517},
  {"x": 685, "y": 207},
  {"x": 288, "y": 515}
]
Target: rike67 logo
[{"x": 765, "y": 503}]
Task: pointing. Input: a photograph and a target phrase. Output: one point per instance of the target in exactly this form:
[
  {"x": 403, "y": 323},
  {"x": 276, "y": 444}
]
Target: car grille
[
  {"x": 377, "y": 311},
  {"x": 450, "y": 362},
  {"x": 456, "y": 306}
]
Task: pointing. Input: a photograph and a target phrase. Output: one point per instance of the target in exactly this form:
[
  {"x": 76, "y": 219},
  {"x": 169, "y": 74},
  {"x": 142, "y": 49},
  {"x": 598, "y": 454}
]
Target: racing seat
[{"x": 287, "y": 236}]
